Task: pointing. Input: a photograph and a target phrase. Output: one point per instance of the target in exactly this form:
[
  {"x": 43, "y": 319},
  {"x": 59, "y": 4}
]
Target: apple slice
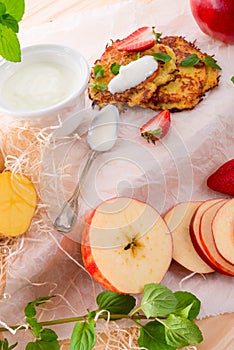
[
  {"x": 194, "y": 230},
  {"x": 126, "y": 244},
  {"x": 208, "y": 243},
  {"x": 178, "y": 220},
  {"x": 223, "y": 231}
]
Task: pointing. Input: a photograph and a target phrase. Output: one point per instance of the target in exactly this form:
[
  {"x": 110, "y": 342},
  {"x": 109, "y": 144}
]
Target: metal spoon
[{"x": 101, "y": 137}]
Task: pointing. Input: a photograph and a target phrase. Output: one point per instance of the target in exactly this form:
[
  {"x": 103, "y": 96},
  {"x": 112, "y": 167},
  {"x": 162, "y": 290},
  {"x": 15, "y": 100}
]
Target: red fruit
[
  {"x": 215, "y": 18},
  {"x": 222, "y": 180},
  {"x": 157, "y": 127},
  {"x": 140, "y": 40}
]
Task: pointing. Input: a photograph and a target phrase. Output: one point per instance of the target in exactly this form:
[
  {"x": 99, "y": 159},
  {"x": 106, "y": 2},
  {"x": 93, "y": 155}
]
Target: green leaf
[
  {"x": 232, "y": 79},
  {"x": 98, "y": 71},
  {"x": 30, "y": 310},
  {"x": 115, "y": 68},
  {"x": 15, "y": 8},
  {"x": 190, "y": 61},
  {"x": 188, "y": 305},
  {"x": 9, "y": 22},
  {"x": 211, "y": 63},
  {"x": 4, "y": 345},
  {"x": 36, "y": 328},
  {"x": 152, "y": 337},
  {"x": 83, "y": 336},
  {"x": 9, "y": 44},
  {"x": 2, "y": 11},
  {"x": 157, "y": 300},
  {"x": 101, "y": 87},
  {"x": 43, "y": 345},
  {"x": 164, "y": 57},
  {"x": 48, "y": 335},
  {"x": 115, "y": 303},
  {"x": 180, "y": 332}
]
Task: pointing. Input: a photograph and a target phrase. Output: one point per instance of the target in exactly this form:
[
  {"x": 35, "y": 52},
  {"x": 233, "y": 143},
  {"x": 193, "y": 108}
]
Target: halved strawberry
[
  {"x": 222, "y": 180},
  {"x": 157, "y": 127},
  {"x": 140, "y": 40}
]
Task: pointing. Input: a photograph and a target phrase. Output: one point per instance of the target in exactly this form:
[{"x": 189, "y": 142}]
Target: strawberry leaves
[{"x": 157, "y": 127}]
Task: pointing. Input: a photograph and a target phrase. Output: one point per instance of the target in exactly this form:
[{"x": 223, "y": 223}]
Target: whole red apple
[{"x": 215, "y": 18}]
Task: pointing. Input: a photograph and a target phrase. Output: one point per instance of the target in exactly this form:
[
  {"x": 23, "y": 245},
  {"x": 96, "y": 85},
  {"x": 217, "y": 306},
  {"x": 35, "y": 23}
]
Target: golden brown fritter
[{"x": 172, "y": 86}]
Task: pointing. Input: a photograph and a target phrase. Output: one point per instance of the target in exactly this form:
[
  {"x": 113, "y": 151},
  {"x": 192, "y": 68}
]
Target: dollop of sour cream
[
  {"x": 38, "y": 85},
  {"x": 133, "y": 74}
]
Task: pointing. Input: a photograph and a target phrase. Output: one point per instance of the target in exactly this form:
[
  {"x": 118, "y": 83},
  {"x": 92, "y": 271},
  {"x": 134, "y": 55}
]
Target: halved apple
[
  {"x": 178, "y": 220},
  {"x": 208, "y": 243},
  {"x": 126, "y": 244},
  {"x": 223, "y": 231}
]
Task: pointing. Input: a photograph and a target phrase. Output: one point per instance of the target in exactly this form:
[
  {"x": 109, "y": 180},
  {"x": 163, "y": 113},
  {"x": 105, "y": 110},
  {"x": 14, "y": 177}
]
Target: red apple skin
[
  {"x": 89, "y": 262},
  {"x": 215, "y": 18}
]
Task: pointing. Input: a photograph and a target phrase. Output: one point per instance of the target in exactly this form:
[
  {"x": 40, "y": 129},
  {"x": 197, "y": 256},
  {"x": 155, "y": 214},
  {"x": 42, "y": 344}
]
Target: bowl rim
[{"x": 34, "y": 49}]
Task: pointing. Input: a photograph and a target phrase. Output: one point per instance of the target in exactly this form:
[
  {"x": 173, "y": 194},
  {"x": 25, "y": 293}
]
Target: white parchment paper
[{"x": 174, "y": 170}]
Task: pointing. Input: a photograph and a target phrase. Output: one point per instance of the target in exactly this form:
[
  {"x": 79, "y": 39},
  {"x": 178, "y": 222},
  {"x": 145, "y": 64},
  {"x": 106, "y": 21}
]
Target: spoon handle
[{"x": 68, "y": 214}]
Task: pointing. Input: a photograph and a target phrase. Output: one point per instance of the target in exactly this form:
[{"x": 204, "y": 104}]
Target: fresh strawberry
[
  {"x": 140, "y": 40},
  {"x": 157, "y": 127},
  {"x": 222, "y": 180}
]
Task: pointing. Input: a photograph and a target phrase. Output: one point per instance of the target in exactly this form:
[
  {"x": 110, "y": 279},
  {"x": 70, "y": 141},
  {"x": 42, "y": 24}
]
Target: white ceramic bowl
[{"x": 49, "y": 80}]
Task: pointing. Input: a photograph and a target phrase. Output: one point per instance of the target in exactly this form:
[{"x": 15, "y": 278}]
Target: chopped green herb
[
  {"x": 98, "y": 71},
  {"x": 159, "y": 56},
  {"x": 211, "y": 63},
  {"x": 101, "y": 87},
  {"x": 115, "y": 68},
  {"x": 190, "y": 61}
]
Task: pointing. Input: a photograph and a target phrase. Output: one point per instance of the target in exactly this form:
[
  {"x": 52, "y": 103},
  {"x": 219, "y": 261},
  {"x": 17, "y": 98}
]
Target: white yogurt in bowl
[{"x": 49, "y": 80}]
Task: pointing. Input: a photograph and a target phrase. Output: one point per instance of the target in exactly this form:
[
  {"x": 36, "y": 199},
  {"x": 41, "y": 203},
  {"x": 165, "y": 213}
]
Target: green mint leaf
[
  {"x": 2, "y": 11},
  {"x": 10, "y": 22},
  {"x": 157, "y": 300},
  {"x": 83, "y": 336},
  {"x": 115, "y": 303},
  {"x": 211, "y": 62},
  {"x": 98, "y": 71},
  {"x": 9, "y": 44},
  {"x": 30, "y": 310},
  {"x": 188, "y": 305},
  {"x": 180, "y": 332},
  {"x": 43, "y": 345},
  {"x": 152, "y": 337},
  {"x": 48, "y": 335},
  {"x": 15, "y": 8},
  {"x": 101, "y": 87},
  {"x": 159, "y": 56},
  {"x": 115, "y": 68},
  {"x": 190, "y": 61},
  {"x": 36, "y": 328},
  {"x": 4, "y": 345},
  {"x": 232, "y": 79},
  {"x": 12, "y": 346}
]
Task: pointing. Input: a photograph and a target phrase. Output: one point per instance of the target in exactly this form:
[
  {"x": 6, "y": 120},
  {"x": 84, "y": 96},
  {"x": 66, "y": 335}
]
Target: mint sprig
[
  {"x": 4, "y": 345},
  {"x": 168, "y": 320},
  {"x": 11, "y": 13},
  {"x": 194, "y": 59}
]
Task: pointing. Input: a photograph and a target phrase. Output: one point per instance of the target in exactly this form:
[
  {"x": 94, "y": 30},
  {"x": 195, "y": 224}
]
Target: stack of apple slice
[
  {"x": 203, "y": 235},
  {"x": 127, "y": 243}
]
